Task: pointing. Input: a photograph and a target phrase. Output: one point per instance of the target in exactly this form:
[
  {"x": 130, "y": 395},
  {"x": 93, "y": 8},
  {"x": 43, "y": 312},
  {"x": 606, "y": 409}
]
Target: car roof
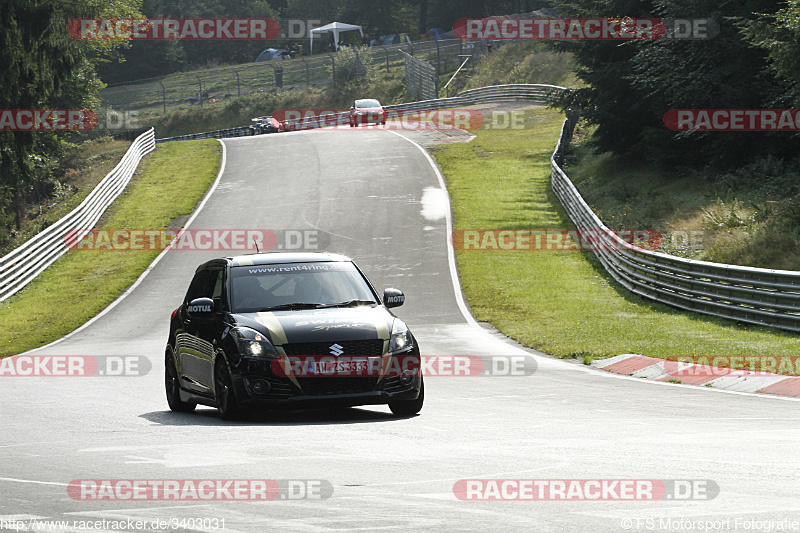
[{"x": 272, "y": 258}]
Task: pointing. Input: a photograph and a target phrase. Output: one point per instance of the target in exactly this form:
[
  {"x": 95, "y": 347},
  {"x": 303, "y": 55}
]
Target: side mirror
[
  {"x": 200, "y": 306},
  {"x": 393, "y": 298}
]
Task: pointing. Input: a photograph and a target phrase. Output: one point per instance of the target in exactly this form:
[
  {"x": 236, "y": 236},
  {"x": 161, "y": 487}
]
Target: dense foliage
[
  {"x": 42, "y": 67},
  {"x": 751, "y": 64}
]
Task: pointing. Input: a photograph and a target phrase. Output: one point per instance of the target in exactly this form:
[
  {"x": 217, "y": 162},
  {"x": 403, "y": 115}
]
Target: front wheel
[
  {"x": 227, "y": 405},
  {"x": 173, "y": 387},
  {"x": 409, "y": 407}
]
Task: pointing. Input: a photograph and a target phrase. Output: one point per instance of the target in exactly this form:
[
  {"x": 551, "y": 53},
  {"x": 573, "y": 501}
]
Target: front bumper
[
  {"x": 323, "y": 391},
  {"x": 370, "y": 118}
]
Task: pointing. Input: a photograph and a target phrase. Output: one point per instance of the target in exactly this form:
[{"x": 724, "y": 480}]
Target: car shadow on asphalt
[{"x": 209, "y": 417}]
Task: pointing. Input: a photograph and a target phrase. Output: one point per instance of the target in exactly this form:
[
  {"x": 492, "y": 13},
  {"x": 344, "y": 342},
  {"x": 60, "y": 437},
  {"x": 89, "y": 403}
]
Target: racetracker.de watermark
[
  {"x": 74, "y": 366},
  {"x": 396, "y": 119},
  {"x": 192, "y": 523},
  {"x": 403, "y": 366},
  {"x": 47, "y": 119},
  {"x": 591, "y": 29},
  {"x": 554, "y": 239},
  {"x": 199, "y": 489},
  {"x": 722, "y": 365},
  {"x": 732, "y": 119},
  {"x": 232, "y": 240},
  {"x": 585, "y": 489},
  {"x": 123, "y": 29}
]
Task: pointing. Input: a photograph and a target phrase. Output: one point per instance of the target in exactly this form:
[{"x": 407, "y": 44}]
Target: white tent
[{"x": 335, "y": 27}]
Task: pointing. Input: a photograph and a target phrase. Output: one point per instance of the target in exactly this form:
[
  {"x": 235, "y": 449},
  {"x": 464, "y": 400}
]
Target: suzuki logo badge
[{"x": 336, "y": 349}]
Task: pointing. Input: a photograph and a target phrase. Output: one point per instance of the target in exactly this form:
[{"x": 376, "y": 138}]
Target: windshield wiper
[
  {"x": 349, "y": 303},
  {"x": 295, "y": 305}
]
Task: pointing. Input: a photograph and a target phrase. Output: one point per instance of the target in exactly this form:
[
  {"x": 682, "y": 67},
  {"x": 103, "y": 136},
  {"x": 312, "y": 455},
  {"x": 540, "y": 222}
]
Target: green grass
[
  {"x": 750, "y": 216},
  {"x": 531, "y": 62},
  {"x": 82, "y": 283},
  {"x": 563, "y": 302}
]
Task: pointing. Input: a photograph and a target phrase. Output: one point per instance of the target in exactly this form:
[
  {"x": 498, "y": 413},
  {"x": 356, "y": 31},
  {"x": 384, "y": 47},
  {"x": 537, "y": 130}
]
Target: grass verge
[
  {"x": 82, "y": 283},
  {"x": 563, "y": 302}
]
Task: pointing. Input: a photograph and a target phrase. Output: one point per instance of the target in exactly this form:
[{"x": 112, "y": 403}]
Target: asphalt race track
[{"x": 365, "y": 189}]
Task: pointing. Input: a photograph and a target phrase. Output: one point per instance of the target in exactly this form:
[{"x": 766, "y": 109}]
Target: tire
[
  {"x": 409, "y": 407},
  {"x": 227, "y": 405},
  {"x": 352, "y": 124},
  {"x": 173, "y": 388}
]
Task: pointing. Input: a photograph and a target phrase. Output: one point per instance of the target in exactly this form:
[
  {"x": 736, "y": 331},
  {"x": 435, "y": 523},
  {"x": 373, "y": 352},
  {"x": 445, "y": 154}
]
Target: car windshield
[
  {"x": 363, "y": 104},
  {"x": 298, "y": 286}
]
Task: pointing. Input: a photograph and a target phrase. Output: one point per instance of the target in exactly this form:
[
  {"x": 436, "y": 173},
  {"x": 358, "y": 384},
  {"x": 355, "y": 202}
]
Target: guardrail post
[
  {"x": 200, "y": 94},
  {"x": 163, "y": 95},
  {"x": 306, "y": 64}
]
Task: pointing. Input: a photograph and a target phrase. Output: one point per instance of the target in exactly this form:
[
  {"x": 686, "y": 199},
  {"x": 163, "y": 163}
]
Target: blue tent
[
  {"x": 436, "y": 33},
  {"x": 269, "y": 54}
]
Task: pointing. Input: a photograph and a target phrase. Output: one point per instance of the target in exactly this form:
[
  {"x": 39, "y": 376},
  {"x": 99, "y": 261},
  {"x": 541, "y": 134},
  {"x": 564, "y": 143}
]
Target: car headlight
[
  {"x": 401, "y": 337},
  {"x": 253, "y": 343}
]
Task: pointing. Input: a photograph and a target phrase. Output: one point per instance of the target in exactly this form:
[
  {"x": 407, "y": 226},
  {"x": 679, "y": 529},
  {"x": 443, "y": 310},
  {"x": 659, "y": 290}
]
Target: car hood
[{"x": 323, "y": 325}]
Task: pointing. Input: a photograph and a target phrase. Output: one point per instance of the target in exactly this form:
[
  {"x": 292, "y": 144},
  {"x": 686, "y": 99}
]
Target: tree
[
  {"x": 631, "y": 85},
  {"x": 38, "y": 61}
]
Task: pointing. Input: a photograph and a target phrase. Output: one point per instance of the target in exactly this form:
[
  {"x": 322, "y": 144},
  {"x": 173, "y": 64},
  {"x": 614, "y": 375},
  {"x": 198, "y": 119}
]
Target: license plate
[{"x": 339, "y": 367}]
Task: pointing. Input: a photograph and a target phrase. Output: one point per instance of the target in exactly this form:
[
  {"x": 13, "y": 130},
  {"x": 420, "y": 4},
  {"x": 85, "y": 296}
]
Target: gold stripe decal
[
  {"x": 274, "y": 327},
  {"x": 382, "y": 328}
]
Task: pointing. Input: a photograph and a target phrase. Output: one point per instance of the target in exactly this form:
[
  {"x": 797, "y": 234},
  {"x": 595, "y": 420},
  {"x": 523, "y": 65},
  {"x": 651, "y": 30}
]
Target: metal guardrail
[
  {"x": 22, "y": 265},
  {"x": 537, "y": 93},
  {"x": 241, "y": 131},
  {"x": 752, "y": 295}
]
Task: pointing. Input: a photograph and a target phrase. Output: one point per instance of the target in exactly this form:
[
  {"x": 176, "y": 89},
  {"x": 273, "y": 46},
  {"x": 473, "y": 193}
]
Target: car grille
[
  {"x": 337, "y": 385},
  {"x": 367, "y": 347}
]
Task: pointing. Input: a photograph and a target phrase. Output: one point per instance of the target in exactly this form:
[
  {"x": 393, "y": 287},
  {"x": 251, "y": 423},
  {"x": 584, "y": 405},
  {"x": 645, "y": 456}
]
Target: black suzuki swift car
[{"x": 289, "y": 330}]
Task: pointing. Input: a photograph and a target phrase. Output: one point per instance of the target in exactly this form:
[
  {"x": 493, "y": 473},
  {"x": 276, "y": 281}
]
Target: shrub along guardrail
[{"x": 21, "y": 266}]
